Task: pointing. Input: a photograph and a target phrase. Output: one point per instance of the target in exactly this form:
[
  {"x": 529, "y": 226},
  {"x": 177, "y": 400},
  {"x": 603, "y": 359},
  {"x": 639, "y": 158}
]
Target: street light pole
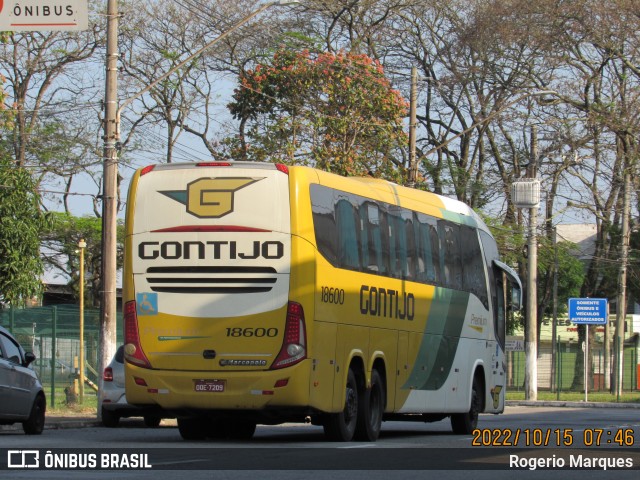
[{"x": 81, "y": 245}]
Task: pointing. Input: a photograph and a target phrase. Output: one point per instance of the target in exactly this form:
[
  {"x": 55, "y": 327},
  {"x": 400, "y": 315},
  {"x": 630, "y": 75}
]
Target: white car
[
  {"x": 113, "y": 401},
  {"x": 21, "y": 395}
]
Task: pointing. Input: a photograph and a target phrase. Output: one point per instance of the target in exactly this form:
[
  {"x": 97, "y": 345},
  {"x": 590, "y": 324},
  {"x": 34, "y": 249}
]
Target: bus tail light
[
  {"x": 147, "y": 169},
  {"x": 282, "y": 168},
  {"x": 132, "y": 347},
  {"x": 294, "y": 345}
]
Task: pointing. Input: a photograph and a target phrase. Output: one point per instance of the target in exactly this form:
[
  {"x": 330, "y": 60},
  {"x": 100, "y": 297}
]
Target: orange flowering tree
[{"x": 337, "y": 112}]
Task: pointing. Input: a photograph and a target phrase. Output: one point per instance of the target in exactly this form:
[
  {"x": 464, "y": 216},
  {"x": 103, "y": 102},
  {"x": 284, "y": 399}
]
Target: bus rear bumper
[{"x": 237, "y": 390}]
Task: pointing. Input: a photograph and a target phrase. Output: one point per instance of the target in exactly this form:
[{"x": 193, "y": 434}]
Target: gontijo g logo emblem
[{"x": 210, "y": 197}]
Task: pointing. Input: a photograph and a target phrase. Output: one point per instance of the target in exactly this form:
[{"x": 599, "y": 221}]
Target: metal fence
[
  {"x": 566, "y": 358},
  {"x": 53, "y": 334}
]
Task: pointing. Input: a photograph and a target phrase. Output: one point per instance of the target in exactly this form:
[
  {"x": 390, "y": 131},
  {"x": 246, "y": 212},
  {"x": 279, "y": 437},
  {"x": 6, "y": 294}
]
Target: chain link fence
[{"x": 53, "y": 334}]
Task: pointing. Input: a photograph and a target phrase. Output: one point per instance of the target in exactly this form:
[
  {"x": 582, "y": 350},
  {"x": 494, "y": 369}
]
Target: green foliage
[
  {"x": 21, "y": 222},
  {"x": 511, "y": 242},
  {"x": 510, "y": 239},
  {"x": 337, "y": 112},
  {"x": 61, "y": 242},
  {"x": 571, "y": 272}
]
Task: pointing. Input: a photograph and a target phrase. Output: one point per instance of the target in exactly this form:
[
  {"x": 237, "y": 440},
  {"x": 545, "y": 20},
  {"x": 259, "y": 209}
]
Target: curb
[{"x": 57, "y": 423}]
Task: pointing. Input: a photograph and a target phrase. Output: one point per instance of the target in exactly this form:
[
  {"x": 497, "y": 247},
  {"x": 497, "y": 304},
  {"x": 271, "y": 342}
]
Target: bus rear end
[{"x": 209, "y": 326}]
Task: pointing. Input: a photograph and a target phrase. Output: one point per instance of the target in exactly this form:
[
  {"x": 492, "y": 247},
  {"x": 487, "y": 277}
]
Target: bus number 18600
[{"x": 332, "y": 295}]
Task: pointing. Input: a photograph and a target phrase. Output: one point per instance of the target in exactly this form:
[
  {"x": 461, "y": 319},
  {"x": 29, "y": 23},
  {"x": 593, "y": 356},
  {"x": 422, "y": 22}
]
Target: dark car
[
  {"x": 21, "y": 395},
  {"x": 113, "y": 400}
]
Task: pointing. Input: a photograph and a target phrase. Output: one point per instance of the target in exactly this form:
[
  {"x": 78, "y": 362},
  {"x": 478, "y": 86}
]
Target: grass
[
  {"x": 626, "y": 397},
  {"x": 89, "y": 405}
]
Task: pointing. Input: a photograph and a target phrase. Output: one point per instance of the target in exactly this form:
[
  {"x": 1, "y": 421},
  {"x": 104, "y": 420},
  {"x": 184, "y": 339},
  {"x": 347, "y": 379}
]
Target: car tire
[
  {"x": 35, "y": 423},
  {"x": 110, "y": 419}
]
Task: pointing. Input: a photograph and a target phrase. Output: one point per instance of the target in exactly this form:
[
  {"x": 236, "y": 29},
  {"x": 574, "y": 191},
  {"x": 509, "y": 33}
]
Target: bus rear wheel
[
  {"x": 371, "y": 410},
  {"x": 466, "y": 423},
  {"x": 193, "y": 428},
  {"x": 341, "y": 427},
  {"x": 239, "y": 429}
]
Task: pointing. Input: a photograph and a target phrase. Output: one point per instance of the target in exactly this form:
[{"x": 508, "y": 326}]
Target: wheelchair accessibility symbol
[{"x": 147, "y": 303}]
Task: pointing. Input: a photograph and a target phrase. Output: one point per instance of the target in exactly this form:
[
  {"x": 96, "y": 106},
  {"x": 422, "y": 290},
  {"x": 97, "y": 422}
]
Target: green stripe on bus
[{"x": 440, "y": 341}]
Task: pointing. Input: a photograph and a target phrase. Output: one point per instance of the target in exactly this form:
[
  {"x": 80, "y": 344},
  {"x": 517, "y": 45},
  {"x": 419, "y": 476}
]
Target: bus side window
[
  {"x": 428, "y": 271},
  {"x": 385, "y": 237},
  {"x": 472, "y": 264},
  {"x": 454, "y": 255},
  {"x": 324, "y": 222},
  {"x": 370, "y": 238},
  {"x": 348, "y": 252},
  {"x": 412, "y": 253},
  {"x": 398, "y": 243},
  {"x": 501, "y": 302},
  {"x": 422, "y": 251},
  {"x": 436, "y": 258},
  {"x": 364, "y": 237}
]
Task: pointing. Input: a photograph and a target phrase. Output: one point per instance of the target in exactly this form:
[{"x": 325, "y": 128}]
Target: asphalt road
[{"x": 531, "y": 442}]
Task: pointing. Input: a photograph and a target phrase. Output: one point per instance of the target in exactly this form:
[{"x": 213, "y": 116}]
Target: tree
[
  {"x": 52, "y": 89},
  {"x": 22, "y": 220},
  {"x": 60, "y": 250},
  {"x": 337, "y": 112}
]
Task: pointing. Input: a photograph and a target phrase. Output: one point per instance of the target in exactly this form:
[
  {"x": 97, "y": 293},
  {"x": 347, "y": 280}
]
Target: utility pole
[
  {"x": 413, "y": 165},
  {"x": 607, "y": 352},
  {"x": 554, "y": 327},
  {"x": 621, "y": 308},
  {"x": 109, "y": 196}
]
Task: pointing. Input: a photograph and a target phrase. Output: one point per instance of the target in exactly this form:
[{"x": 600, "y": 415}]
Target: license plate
[{"x": 209, "y": 386}]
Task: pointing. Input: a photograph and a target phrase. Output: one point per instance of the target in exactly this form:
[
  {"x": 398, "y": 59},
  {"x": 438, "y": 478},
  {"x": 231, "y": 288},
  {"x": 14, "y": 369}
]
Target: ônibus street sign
[
  {"x": 43, "y": 15},
  {"x": 587, "y": 311}
]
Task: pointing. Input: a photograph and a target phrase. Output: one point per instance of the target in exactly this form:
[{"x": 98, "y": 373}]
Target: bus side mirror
[{"x": 516, "y": 298}]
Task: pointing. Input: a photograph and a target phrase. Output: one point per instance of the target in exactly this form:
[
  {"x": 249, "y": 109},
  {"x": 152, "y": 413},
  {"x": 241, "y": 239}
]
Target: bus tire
[
  {"x": 152, "y": 421},
  {"x": 466, "y": 423},
  {"x": 239, "y": 429},
  {"x": 371, "y": 410},
  {"x": 193, "y": 428},
  {"x": 341, "y": 427},
  {"x": 110, "y": 419}
]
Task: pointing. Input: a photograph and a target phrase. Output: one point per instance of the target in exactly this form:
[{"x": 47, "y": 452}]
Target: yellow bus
[{"x": 256, "y": 293}]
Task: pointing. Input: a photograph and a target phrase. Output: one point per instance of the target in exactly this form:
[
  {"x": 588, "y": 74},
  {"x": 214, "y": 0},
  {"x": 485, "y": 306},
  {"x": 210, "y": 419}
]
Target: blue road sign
[{"x": 591, "y": 311}]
